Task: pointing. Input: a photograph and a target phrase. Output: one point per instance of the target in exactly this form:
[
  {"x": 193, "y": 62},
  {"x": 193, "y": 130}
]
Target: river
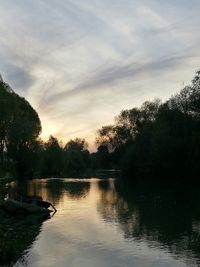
[{"x": 103, "y": 223}]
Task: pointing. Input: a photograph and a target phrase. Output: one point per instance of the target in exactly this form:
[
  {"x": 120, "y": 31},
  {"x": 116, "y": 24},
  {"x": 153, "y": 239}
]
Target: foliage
[
  {"x": 70, "y": 160},
  {"x": 19, "y": 129},
  {"x": 158, "y": 139},
  {"x": 152, "y": 140}
]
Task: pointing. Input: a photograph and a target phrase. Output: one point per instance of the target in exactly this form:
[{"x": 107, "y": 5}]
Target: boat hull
[{"x": 15, "y": 207}]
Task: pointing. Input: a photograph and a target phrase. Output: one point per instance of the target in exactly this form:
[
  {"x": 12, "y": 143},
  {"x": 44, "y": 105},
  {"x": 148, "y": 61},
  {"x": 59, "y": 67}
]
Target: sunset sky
[{"x": 80, "y": 62}]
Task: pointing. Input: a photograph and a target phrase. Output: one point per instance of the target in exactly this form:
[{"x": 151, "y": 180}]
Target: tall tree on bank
[{"x": 20, "y": 127}]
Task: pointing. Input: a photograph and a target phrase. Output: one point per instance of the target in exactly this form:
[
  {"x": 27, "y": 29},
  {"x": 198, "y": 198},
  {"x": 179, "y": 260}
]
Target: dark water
[{"x": 103, "y": 223}]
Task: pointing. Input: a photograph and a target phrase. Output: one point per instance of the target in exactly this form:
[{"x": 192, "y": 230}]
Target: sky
[{"x": 80, "y": 62}]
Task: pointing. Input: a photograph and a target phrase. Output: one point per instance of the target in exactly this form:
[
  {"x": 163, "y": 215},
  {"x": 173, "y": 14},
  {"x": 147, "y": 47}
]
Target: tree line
[
  {"x": 157, "y": 139},
  {"x": 23, "y": 153}
]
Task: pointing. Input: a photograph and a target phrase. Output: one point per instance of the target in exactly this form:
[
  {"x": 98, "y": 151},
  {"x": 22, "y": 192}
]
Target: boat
[{"x": 27, "y": 205}]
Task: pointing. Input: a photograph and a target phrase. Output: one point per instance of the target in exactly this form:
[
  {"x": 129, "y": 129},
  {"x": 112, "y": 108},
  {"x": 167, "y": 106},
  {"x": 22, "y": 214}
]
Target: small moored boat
[{"x": 27, "y": 205}]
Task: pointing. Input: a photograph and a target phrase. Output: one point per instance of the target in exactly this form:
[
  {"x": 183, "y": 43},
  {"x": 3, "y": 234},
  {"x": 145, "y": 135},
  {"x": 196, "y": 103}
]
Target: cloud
[
  {"x": 17, "y": 76},
  {"x": 108, "y": 76}
]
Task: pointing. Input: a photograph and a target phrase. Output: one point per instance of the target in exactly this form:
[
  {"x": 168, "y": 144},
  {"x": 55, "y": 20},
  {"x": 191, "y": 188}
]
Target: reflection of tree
[
  {"x": 77, "y": 190},
  {"x": 55, "y": 190},
  {"x": 57, "y": 187},
  {"x": 52, "y": 190},
  {"x": 16, "y": 236},
  {"x": 163, "y": 215},
  {"x": 111, "y": 206}
]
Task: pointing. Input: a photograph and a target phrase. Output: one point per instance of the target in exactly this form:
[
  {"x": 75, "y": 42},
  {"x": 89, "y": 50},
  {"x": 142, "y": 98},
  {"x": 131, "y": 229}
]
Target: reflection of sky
[
  {"x": 80, "y": 62},
  {"x": 77, "y": 235}
]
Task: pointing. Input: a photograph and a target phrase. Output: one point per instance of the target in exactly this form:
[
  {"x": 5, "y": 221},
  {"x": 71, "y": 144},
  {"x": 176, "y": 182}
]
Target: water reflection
[
  {"x": 16, "y": 237},
  {"x": 17, "y": 234},
  {"x": 53, "y": 190},
  {"x": 165, "y": 216},
  {"x": 106, "y": 223},
  {"x": 57, "y": 189}
]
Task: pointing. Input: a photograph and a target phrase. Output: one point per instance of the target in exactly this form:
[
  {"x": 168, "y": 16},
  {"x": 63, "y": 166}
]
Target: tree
[
  {"x": 53, "y": 158},
  {"x": 20, "y": 127},
  {"x": 77, "y": 144},
  {"x": 77, "y": 156},
  {"x": 157, "y": 139},
  {"x": 128, "y": 125}
]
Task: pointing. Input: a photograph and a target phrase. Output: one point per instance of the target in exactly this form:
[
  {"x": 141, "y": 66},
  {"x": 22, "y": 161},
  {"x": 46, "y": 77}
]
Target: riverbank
[{"x": 3, "y": 181}]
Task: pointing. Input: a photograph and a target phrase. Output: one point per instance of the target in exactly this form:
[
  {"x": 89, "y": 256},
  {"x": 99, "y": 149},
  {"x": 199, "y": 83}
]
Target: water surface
[{"x": 102, "y": 223}]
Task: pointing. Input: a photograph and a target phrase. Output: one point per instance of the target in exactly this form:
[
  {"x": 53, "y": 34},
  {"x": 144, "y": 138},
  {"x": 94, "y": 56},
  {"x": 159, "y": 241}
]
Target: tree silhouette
[
  {"x": 158, "y": 139},
  {"x": 19, "y": 128}
]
